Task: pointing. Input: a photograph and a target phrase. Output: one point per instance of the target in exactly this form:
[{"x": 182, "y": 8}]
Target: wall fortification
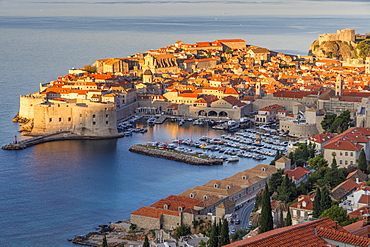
[
  {"x": 87, "y": 119},
  {"x": 347, "y": 35}
]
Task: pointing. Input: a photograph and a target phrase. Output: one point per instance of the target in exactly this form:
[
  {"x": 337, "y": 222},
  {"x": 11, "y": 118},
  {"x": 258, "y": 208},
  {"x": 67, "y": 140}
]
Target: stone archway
[
  {"x": 222, "y": 114},
  {"x": 212, "y": 114},
  {"x": 202, "y": 113}
]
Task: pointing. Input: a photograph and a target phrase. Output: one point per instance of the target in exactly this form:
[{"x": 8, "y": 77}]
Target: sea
[{"x": 54, "y": 191}]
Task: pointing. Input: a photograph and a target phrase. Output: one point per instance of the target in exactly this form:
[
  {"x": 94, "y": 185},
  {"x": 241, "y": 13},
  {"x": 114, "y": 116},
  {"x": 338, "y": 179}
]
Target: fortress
[
  {"x": 347, "y": 35},
  {"x": 82, "y": 117}
]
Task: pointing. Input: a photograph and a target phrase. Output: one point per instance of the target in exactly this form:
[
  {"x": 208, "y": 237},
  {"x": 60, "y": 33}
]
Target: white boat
[
  {"x": 233, "y": 159},
  {"x": 151, "y": 120}
]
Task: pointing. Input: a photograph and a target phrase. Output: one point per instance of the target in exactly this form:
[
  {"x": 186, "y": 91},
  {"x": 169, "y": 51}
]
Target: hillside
[{"x": 333, "y": 49}]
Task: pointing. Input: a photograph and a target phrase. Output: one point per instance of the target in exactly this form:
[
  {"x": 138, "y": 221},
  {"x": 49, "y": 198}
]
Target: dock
[
  {"x": 161, "y": 119},
  {"x": 59, "y": 136}
]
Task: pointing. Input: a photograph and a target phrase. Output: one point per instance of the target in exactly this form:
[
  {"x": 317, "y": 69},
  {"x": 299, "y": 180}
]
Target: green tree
[
  {"x": 224, "y": 234},
  {"x": 317, "y": 162},
  {"x": 333, "y": 176},
  {"x": 228, "y": 50},
  {"x": 338, "y": 214},
  {"x": 105, "y": 243},
  {"x": 275, "y": 180},
  {"x": 328, "y": 121},
  {"x": 287, "y": 190},
  {"x": 364, "y": 48},
  {"x": 317, "y": 204},
  {"x": 146, "y": 242},
  {"x": 288, "y": 220},
  {"x": 202, "y": 244},
  {"x": 361, "y": 161},
  {"x": 89, "y": 68},
  {"x": 266, "y": 220},
  {"x": 182, "y": 230},
  {"x": 213, "y": 237},
  {"x": 325, "y": 202}
]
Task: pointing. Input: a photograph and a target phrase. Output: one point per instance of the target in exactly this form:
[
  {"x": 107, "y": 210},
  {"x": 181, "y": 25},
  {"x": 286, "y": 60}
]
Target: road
[{"x": 242, "y": 214}]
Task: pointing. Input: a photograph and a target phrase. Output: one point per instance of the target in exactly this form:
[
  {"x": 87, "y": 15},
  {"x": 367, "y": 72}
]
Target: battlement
[{"x": 347, "y": 35}]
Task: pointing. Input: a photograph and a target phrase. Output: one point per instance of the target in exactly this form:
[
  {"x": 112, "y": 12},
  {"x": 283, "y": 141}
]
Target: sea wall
[{"x": 173, "y": 155}]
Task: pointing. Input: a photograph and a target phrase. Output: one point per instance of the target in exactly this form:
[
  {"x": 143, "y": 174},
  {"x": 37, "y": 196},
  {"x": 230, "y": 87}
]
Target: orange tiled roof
[
  {"x": 154, "y": 212},
  {"x": 297, "y": 173},
  {"x": 297, "y": 235}
]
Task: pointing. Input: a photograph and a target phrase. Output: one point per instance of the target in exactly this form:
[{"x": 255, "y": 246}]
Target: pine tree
[
  {"x": 213, "y": 237},
  {"x": 146, "y": 242},
  {"x": 362, "y": 163},
  {"x": 105, "y": 243},
  {"x": 266, "y": 220},
  {"x": 288, "y": 220},
  {"x": 317, "y": 204},
  {"x": 325, "y": 201},
  {"x": 224, "y": 234}
]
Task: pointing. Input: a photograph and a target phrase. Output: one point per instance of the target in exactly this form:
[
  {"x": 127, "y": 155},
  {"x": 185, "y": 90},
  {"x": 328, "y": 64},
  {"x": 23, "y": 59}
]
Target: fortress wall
[
  {"x": 266, "y": 101},
  {"x": 95, "y": 119},
  {"x": 126, "y": 111},
  {"x": 341, "y": 35},
  {"x": 298, "y": 130},
  {"x": 50, "y": 118},
  {"x": 27, "y": 103}
]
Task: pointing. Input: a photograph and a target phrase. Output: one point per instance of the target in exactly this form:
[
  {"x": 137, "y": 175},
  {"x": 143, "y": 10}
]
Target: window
[
  {"x": 204, "y": 197},
  {"x": 340, "y": 162},
  {"x": 93, "y": 115},
  {"x": 106, "y": 115},
  {"x": 165, "y": 206},
  {"x": 346, "y": 162},
  {"x": 351, "y": 153},
  {"x": 69, "y": 119},
  {"x": 294, "y": 212},
  {"x": 340, "y": 153},
  {"x": 60, "y": 119},
  {"x": 228, "y": 187},
  {"x": 244, "y": 177},
  {"x": 180, "y": 209},
  {"x": 50, "y": 120},
  {"x": 106, "y": 122},
  {"x": 351, "y": 162},
  {"x": 94, "y": 123},
  {"x": 346, "y": 153},
  {"x": 302, "y": 213},
  {"x": 192, "y": 195},
  {"x": 80, "y": 115}
]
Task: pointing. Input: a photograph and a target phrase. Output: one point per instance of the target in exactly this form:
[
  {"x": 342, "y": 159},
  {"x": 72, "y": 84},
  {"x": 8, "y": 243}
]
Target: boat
[
  {"x": 151, "y": 120},
  {"x": 233, "y": 159}
]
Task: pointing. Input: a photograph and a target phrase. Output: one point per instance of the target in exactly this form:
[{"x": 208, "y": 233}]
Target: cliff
[{"x": 333, "y": 49}]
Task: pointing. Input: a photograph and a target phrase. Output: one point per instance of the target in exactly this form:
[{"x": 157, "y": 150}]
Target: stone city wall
[
  {"x": 27, "y": 103},
  {"x": 298, "y": 130}
]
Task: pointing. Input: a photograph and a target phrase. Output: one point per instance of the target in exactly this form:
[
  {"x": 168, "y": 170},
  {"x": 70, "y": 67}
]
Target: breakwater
[
  {"x": 59, "y": 136},
  {"x": 174, "y": 155}
]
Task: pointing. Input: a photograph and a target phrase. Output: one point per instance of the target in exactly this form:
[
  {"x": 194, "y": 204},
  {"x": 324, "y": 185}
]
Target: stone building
[
  {"x": 302, "y": 210},
  {"x": 78, "y": 116},
  {"x": 345, "y": 35}
]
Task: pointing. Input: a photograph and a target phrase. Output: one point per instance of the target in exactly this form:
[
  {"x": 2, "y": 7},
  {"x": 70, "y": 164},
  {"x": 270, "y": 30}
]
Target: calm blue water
[{"x": 53, "y": 191}]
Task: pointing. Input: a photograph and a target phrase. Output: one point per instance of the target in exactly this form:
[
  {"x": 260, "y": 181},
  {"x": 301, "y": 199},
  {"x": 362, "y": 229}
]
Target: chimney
[
  {"x": 365, "y": 219},
  {"x": 357, "y": 181}
]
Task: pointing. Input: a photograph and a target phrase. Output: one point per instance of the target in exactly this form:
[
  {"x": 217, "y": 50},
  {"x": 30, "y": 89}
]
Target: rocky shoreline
[{"x": 174, "y": 155}]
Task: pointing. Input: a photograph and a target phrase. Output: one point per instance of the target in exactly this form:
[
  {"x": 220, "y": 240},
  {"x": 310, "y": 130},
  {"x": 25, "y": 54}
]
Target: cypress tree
[
  {"x": 325, "y": 202},
  {"x": 266, "y": 220},
  {"x": 317, "y": 204},
  {"x": 362, "y": 163},
  {"x": 146, "y": 242},
  {"x": 224, "y": 234},
  {"x": 288, "y": 220},
  {"x": 213, "y": 238}
]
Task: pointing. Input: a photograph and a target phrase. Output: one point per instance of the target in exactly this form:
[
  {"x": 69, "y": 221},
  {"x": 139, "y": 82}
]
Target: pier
[
  {"x": 62, "y": 135},
  {"x": 174, "y": 155},
  {"x": 161, "y": 119}
]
